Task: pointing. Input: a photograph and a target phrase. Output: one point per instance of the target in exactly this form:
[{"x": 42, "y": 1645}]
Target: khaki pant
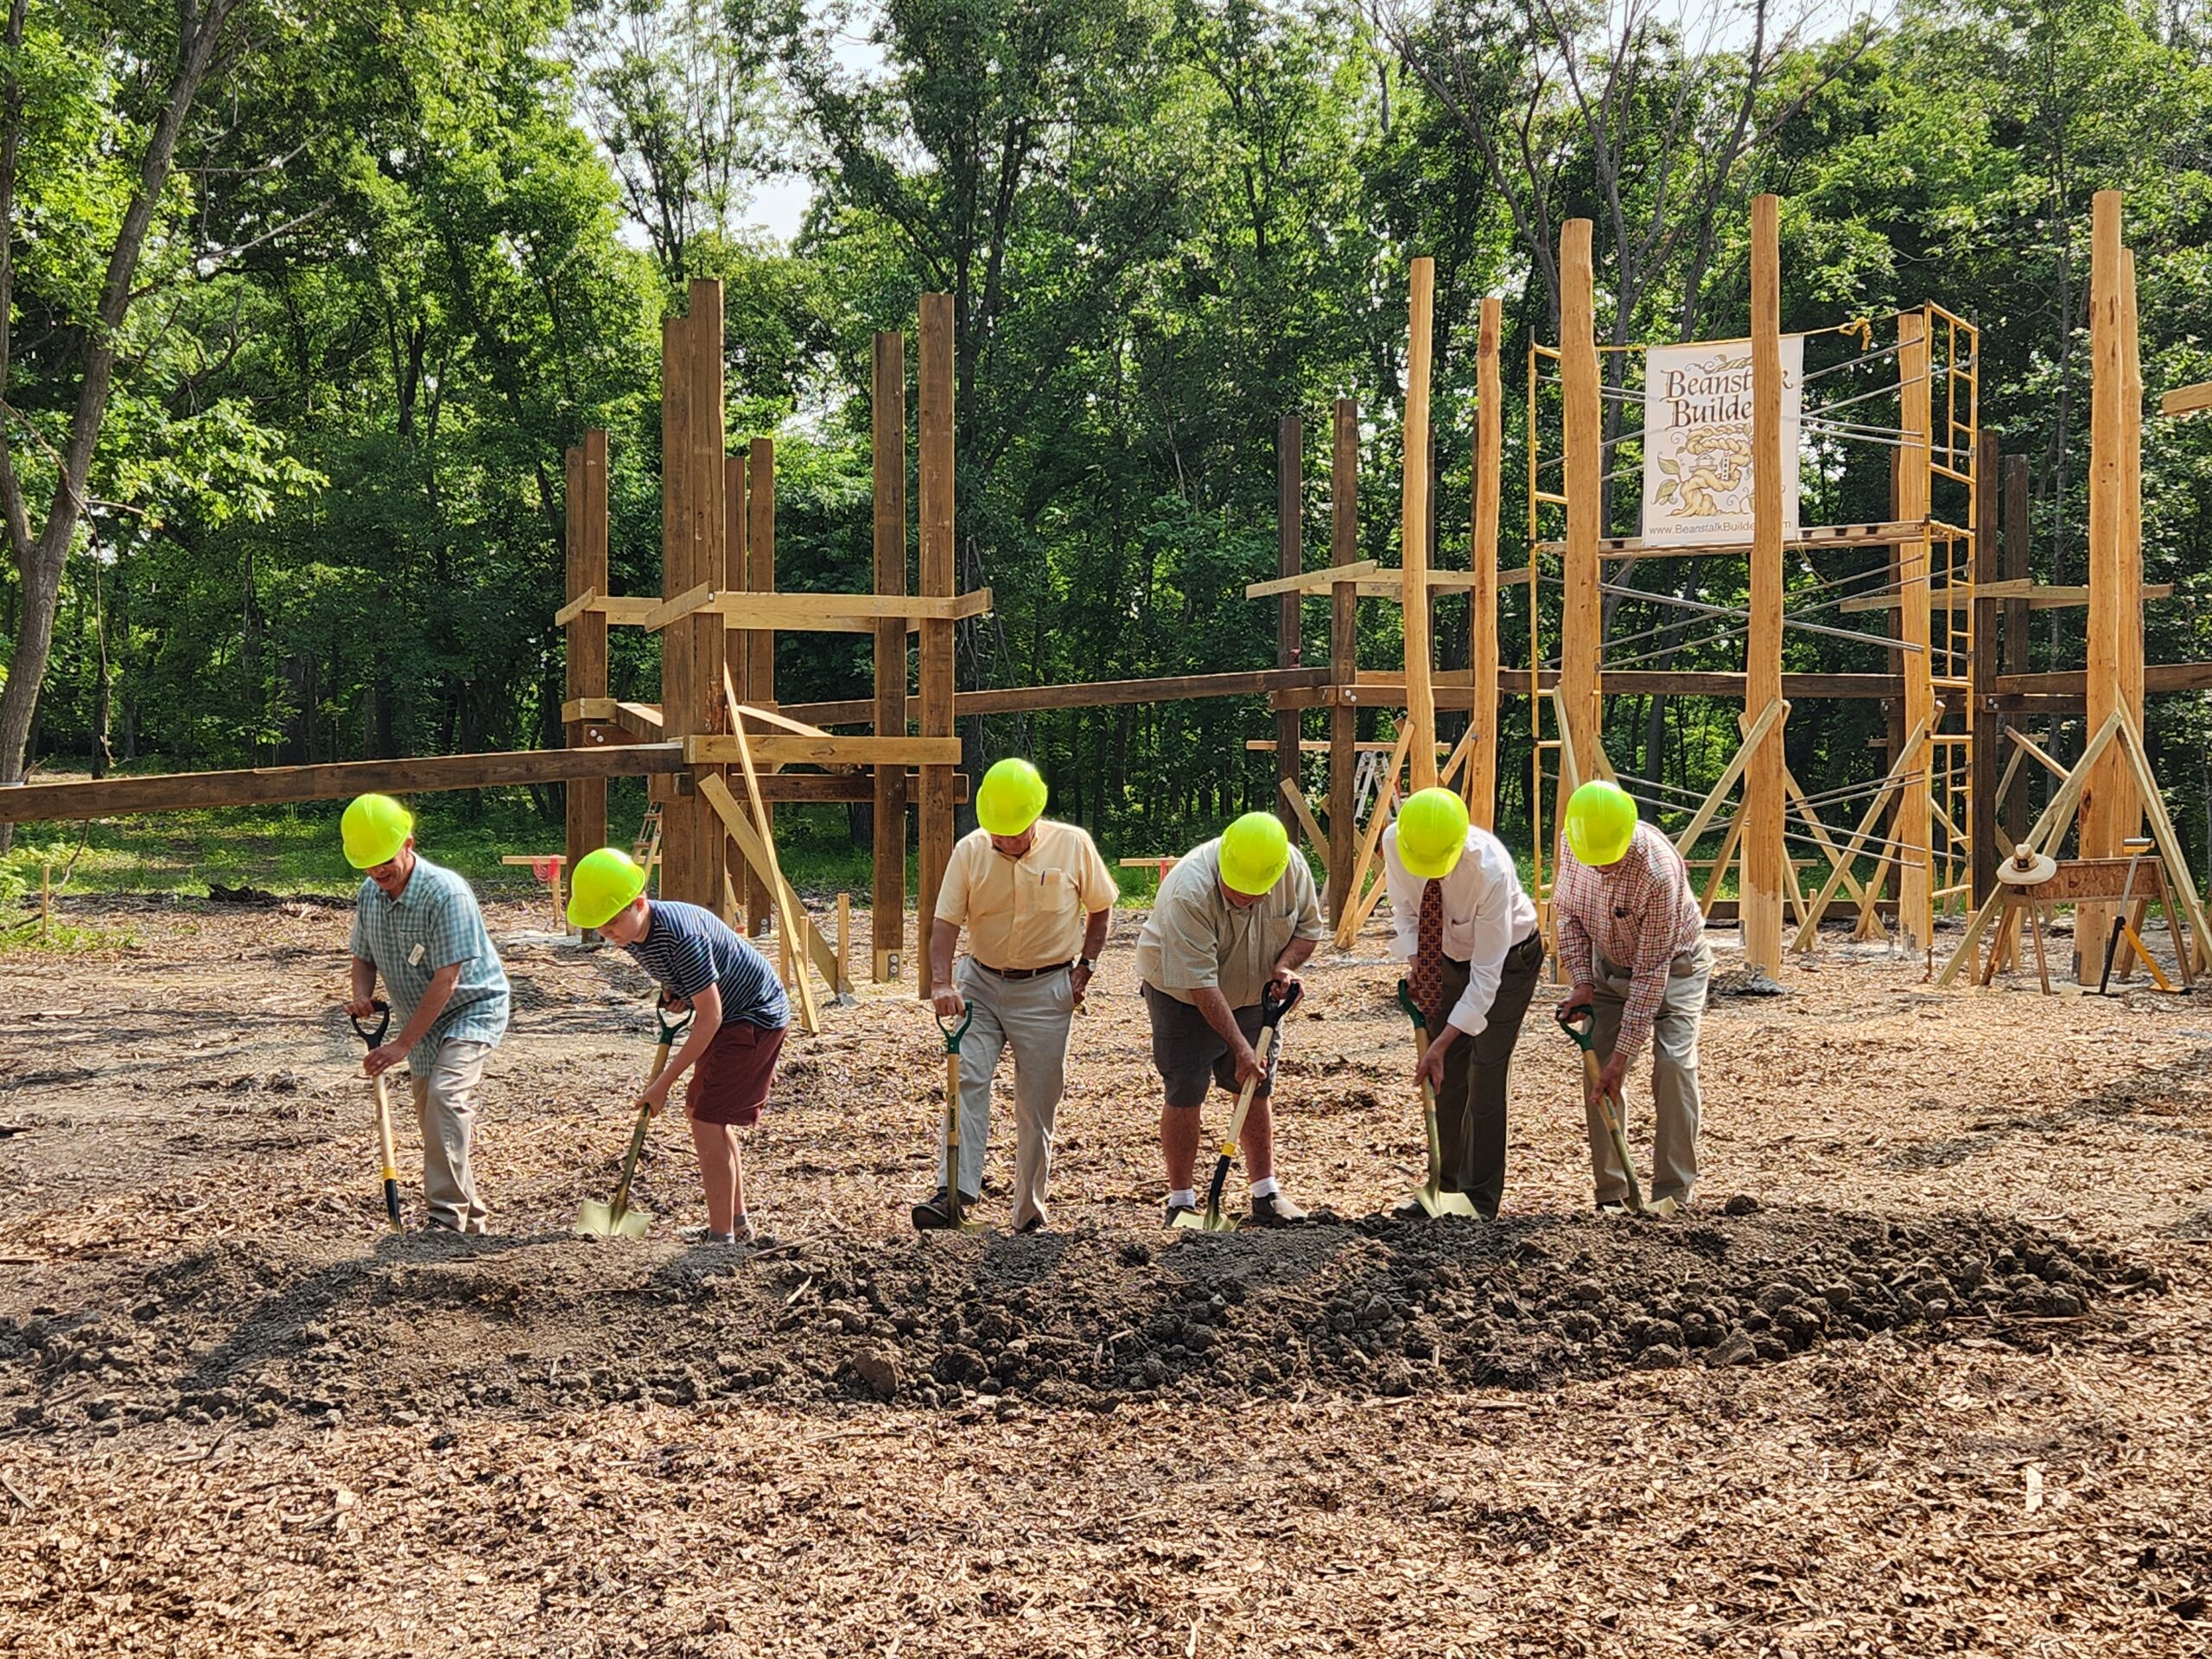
[
  {"x": 1033, "y": 1017},
  {"x": 445, "y": 1107},
  {"x": 1673, "y": 1077}
]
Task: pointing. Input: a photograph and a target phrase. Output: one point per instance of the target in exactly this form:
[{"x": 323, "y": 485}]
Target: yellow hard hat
[
  {"x": 1601, "y": 822},
  {"x": 602, "y": 884},
  {"x": 1432, "y": 833},
  {"x": 1010, "y": 799},
  {"x": 1254, "y": 852},
  {"x": 373, "y": 830}
]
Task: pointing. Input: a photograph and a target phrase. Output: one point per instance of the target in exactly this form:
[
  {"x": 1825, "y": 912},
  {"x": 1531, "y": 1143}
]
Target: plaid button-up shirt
[
  {"x": 432, "y": 924},
  {"x": 1638, "y": 914}
]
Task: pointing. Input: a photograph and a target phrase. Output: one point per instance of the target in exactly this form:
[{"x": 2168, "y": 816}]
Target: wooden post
[
  {"x": 887, "y": 899},
  {"x": 685, "y": 870},
  {"x": 760, "y": 681},
  {"x": 1580, "y": 620},
  {"x": 844, "y": 944},
  {"x": 709, "y": 449},
  {"x": 1983, "y": 720},
  {"x": 1481, "y": 782},
  {"x": 45, "y": 900},
  {"x": 1290, "y": 559},
  {"x": 1764, "y": 804},
  {"x": 1421, "y": 698},
  {"x": 587, "y": 631},
  {"x": 1915, "y": 819},
  {"x": 1344, "y": 653},
  {"x": 937, "y": 582},
  {"x": 2110, "y": 809},
  {"x": 752, "y": 897},
  {"x": 2014, "y": 807}
]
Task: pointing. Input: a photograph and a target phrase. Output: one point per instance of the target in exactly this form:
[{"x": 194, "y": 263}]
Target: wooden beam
[
  {"x": 750, "y": 898},
  {"x": 888, "y": 448},
  {"x": 1421, "y": 705},
  {"x": 806, "y": 613},
  {"x": 1764, "y": 795},
  {"x": 1581, "y": 612},
  {"x": 937, "y": 582},
  {"x": 2110, "y": 811},
  {"x": 2041, "y": 597},
  {"x": 1884, "y": 533},
  {"x": 1097, "y": 694},
  {"x": 2157, "y": 678},
  {"x": 709, "y": 450},
  {"x": 1343, "y": 647},
  {"x": 721, "y": 748},
  {"x": 2187, "y": 400},
  {"x": 1906, "y": 762},
  {"x": 182, "y": 791},
  {"x": 1356, "y": 913},
  {"x": 684, "y": 853},
  {"x": 1982, "y": 720},
  {"x": 1914, "y": 481},
  {"x": 585, "y": 804},
  {"x": 1454, "y": 690},
  {"x": 578, "y": 603},
  {"x": 1307, "y": 581},
  {"x": 1302, "y": 814},
  {"x": 1480, "y": 786},
  {"x": 771, "y": 873},
  {"x": 812, "y": 947},
  {"x": 2012, "y": 807},
  {"x": 1755, "y": 733},
  {"x": 1290, "y": 554}
]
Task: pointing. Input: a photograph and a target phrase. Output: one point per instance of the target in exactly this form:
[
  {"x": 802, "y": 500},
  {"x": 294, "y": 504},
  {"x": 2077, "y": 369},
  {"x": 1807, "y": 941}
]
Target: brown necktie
[{"x": 1426, "y": 982}]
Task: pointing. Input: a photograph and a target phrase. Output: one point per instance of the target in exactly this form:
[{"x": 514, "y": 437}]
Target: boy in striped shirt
[{"x": 739, "y": 1015}]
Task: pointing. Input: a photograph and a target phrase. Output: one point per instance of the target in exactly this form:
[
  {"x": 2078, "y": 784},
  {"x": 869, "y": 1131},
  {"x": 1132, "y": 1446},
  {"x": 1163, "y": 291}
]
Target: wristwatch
[{"x": 1085, "y": 964}]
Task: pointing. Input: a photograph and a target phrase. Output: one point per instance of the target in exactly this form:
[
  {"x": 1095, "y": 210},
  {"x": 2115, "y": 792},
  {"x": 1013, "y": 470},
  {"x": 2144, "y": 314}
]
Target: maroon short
[{"x": 731, "y": 1083}]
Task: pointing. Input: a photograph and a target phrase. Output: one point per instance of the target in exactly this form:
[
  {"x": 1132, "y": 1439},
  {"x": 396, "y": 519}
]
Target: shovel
[
  {"x": 618, "y": 1219},
  {"x": 1431, "y": 1198},
  {"x": 927, "y": 1218},
  {"x": 1580, "y": 1022},
  {"x": 375, "y": 1039},
  {"x": 1271, "y": 1013}
]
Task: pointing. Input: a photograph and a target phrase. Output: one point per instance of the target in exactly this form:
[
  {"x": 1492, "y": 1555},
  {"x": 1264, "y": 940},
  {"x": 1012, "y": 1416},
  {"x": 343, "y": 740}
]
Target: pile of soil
[{"x": 435, "y": 1327}]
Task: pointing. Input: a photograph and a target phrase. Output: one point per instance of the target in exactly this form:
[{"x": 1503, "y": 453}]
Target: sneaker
[
  {"x": 937, "y": 1211},
  {"x": 1277, "y": 1211},
  {"x": 1175, "y": 1210}
]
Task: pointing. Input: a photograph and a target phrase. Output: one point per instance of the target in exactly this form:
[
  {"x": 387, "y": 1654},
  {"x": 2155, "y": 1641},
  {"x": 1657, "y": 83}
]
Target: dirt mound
[{"x": 431, "y": 1327}]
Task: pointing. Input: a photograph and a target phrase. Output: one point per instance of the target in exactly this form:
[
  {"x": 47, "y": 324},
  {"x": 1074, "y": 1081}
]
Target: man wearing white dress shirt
[{"x": 1468, "y": 935}]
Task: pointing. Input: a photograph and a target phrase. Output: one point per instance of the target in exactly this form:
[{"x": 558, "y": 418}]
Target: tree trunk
[{"x": 40, "y": 562}]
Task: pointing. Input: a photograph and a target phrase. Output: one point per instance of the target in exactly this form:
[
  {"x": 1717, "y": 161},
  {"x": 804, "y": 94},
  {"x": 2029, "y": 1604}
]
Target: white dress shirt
[{"x": 1485, "y": 915}]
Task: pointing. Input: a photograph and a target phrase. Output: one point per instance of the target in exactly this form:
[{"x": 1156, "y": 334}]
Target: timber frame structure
[{"x": 720, "y": 750}]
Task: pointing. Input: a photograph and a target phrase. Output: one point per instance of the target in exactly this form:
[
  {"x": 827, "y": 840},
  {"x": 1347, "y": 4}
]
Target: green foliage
[{"x": 413, "y": 251}]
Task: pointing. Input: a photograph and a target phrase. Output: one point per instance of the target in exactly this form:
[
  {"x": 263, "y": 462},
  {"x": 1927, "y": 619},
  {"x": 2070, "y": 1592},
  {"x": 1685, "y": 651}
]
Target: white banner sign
[{"x": 1697, "y": 441}]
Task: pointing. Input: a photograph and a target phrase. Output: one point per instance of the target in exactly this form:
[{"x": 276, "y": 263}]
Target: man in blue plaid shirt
[{"x": 417, "y": 924}]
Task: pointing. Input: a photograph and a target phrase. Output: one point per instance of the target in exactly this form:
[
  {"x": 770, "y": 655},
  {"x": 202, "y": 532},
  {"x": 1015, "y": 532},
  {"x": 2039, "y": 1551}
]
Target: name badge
[{"x": 415, "y": 957}]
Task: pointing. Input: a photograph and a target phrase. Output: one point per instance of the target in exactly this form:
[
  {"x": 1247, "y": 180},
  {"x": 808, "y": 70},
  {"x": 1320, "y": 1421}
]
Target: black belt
[{"x": 1022, "y": 973}]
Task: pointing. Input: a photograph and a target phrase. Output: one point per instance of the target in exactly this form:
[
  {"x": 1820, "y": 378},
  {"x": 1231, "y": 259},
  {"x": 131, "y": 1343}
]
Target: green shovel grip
[
  {"x": 953, "y": 1034},
  {"x": 1413, "y": 1009},
  {"x": 1586, "y": 1031}
]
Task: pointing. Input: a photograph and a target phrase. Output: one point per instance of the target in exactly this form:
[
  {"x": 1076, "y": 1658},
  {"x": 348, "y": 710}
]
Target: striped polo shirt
[
  {"x": 433, "y": 924},
  {"x": 687, "y": 948}
]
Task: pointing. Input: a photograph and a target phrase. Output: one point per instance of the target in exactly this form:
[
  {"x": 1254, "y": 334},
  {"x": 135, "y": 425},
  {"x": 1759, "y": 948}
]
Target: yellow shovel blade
[
  {"x": 1436, "y": 1203},
  {"x": 1192, "y": 1220},
  {"x": 597, "y": 1219}
]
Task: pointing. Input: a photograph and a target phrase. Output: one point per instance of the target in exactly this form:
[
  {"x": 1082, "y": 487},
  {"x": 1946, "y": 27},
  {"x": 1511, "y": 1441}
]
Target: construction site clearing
[{"x": 1924, "y": 1369}]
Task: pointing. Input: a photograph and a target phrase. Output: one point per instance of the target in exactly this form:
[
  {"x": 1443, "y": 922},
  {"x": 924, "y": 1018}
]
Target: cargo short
[{"x": 1189, "y": 1055}]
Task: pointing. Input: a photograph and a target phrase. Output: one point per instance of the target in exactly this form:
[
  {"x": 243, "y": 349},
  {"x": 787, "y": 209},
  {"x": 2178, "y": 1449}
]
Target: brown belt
[{"x": 1022, "y": 973}]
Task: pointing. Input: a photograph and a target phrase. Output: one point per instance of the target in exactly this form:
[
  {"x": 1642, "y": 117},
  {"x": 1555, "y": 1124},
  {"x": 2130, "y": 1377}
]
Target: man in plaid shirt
[{"x": 1631, "y": 939}]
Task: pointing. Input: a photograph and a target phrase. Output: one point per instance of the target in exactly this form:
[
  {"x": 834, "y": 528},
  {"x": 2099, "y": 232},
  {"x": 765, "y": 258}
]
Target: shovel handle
[
  {"x": 373, "y": 1038},
  {"x": 1579, "y": 1021},
  {"x": 670, "y": 1030},
  {"x": 953, "y": 1035}
]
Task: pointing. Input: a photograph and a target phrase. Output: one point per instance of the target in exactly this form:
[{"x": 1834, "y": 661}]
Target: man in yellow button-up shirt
[{"x": 1035, "y": 898}]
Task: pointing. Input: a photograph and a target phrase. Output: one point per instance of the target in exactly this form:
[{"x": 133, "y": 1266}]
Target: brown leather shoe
[{"x": 1274, "y": 1211}]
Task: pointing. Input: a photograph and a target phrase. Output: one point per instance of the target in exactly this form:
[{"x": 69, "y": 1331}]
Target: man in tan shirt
[
  {"x": 1236, "y": 915},
  {"x": 1035, "y": 898}
]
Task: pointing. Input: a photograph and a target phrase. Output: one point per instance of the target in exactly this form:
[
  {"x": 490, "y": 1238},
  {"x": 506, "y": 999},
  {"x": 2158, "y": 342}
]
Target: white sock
[
  {"x": 1183, "y": 1195},
  {"x": 1266, "y": 1187}
]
